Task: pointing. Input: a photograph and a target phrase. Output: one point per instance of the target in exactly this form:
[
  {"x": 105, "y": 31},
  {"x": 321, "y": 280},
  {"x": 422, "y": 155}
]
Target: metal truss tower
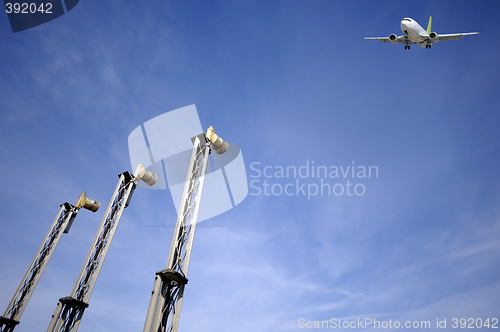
[
  {"x": 69, "y": 310},
  {"x": 62, "y": 223},
  {"x": 166, "y": 299}
]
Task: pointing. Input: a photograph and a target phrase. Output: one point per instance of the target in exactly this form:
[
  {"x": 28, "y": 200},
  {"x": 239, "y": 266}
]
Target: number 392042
[{"x": 28, "y": 8}]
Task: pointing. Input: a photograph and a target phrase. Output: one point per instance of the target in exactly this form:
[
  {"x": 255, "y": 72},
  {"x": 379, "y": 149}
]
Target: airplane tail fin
[{"x": 429, "y": 25}]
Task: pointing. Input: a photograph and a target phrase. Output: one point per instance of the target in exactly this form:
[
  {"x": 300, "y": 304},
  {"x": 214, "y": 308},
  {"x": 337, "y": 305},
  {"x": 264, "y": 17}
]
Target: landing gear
[
  {"x": 407, "y": 47},
  {"x": 428, "y": 46}
]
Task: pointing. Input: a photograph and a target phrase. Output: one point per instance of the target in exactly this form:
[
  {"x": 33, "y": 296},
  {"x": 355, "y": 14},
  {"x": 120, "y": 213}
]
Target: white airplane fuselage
[
  {"x": 415, "y": 34},
  {"x": 414, "y": 31}
]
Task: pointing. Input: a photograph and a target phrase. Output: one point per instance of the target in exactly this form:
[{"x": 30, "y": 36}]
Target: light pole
[
  {"x": 62, "y": 223},
  {"x": 70, "y": 309},
  {"x": 166, "y": 299}
]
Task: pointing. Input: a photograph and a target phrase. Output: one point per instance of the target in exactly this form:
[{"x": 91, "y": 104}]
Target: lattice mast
[
  {"x": 62, "y": 223},
  {"x": 166, "y": 299},
  {"x": 69, "y": 310}
]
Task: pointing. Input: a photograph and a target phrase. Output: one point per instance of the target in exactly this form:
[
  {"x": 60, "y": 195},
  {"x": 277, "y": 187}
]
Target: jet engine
[
  {"x": 393, "y": 38},
  {"x": 433, "y": 36}
]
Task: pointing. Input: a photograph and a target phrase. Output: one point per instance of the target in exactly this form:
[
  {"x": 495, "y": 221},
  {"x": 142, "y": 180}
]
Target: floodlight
[
  {"x": 87, "y": 203},
  {"x": 218, "y": 144},
  {"x": 146, "y": 176}
]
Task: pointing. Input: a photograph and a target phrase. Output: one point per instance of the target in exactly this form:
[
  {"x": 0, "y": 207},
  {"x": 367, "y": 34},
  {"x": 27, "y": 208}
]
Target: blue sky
[{"x": 290, "y": 82}]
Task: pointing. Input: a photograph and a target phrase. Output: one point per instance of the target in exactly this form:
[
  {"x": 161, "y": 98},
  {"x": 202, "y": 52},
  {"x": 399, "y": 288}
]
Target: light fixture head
[
  {"x": 87, "y": 203},
  {"x": 218, "y": 144},
  {"x": 149, "y": 177}
]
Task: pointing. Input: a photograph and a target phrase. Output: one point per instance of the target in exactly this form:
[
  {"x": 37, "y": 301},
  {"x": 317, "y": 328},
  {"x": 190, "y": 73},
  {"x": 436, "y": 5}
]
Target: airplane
[{"x": 415, "y": 34}]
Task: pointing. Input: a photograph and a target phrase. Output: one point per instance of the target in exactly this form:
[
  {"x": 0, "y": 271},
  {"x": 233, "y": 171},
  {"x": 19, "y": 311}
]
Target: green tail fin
[{"x": 429, "y": 25}]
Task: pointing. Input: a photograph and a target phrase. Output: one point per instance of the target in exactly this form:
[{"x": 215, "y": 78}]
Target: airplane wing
[
  {"x": 455, "y": 36},
  {"x": 393, "y": 39}
]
